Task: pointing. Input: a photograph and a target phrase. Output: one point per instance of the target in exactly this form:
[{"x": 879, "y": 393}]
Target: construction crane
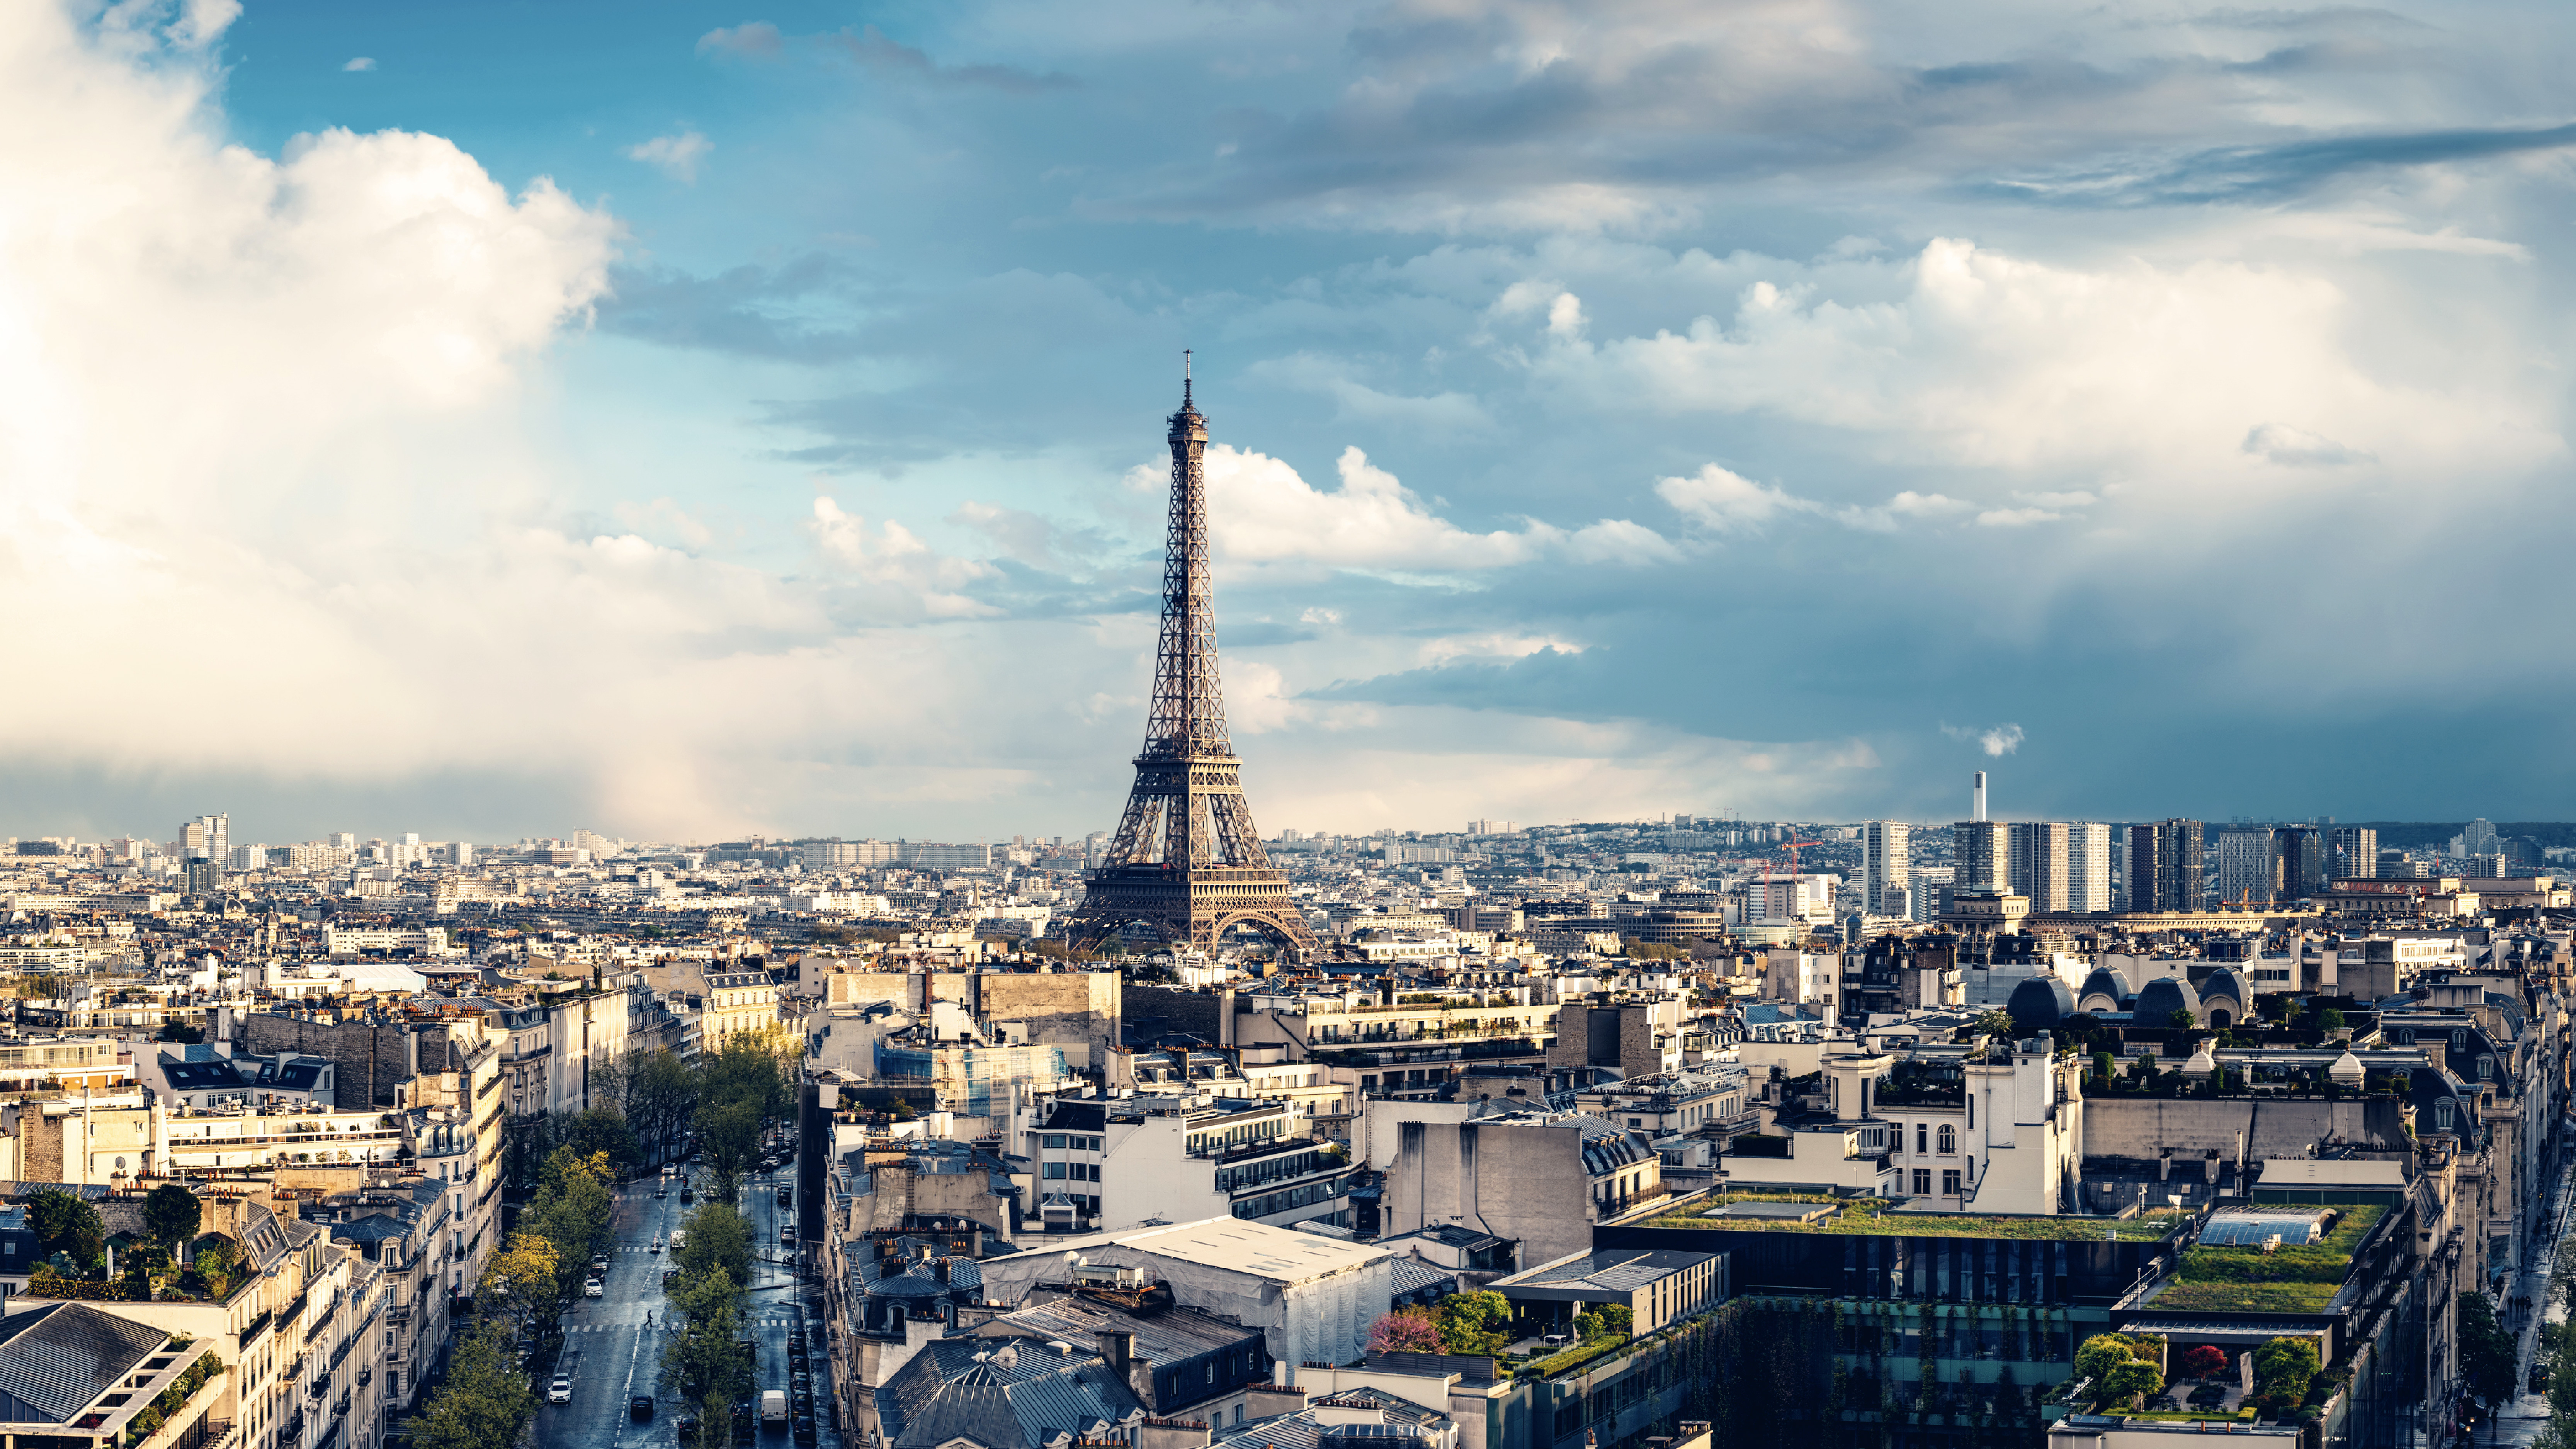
[{"x": 1792, "y": 846}]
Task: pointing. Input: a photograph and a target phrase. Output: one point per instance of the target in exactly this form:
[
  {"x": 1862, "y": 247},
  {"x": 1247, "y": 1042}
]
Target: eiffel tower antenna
[{"x": 1187, "y": 864}]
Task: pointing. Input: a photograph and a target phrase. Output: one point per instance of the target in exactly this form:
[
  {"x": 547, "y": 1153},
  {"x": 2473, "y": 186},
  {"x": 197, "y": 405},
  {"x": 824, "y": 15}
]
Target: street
[
  {"x": 613, "y": 1356},
  {"x": 2520, "y": 1421}
]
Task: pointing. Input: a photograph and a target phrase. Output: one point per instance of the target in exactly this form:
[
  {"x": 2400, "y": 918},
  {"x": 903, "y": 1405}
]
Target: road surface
[{"x": 619, "y": 1356}]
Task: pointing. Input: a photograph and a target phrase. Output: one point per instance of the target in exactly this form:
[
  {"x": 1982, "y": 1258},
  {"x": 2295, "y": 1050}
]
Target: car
[
  {"x": 560, "y": 1391},
  {"x": 801, "y": 1383},
  {"x": 796, "y": 1352},
  {"x": 679, "y": 1239},
  {"x": 787, "y": 1197},
  {"x": 599, "y": 1265},
  {"x": 787, "y": 1237},
  {"x": 640, "y": 1407},
  {"x": 688, "y": 1195},
  {"x": 593, "y": 1288},
  {"x": 687, "y": 1424},
  {"x": 803, "y": 1427}
]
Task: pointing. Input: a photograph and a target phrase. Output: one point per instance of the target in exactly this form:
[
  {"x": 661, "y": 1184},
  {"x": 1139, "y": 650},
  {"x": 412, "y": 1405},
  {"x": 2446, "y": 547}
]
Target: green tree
[
  {"x": 2132, "y": 1379},
  {"x": 704, "y": 1363},
  {"x": 2100, "y": 1354},
  {"x": 719, "y": 1239},
  {"x": 1474, "y": 1322},
  {"x": 2487, "y": 1352},
  {"x": 171, "y": 1214},
  {"x": 1995, "y": 1025},
  {"x": 2284, "y": 1366},
  {"x": 2183, "y": 1020},
  {"x": 66, "y": 1224},
  {"x": 571, "y": 1210},
  {"x": 485, "y": 1401}
]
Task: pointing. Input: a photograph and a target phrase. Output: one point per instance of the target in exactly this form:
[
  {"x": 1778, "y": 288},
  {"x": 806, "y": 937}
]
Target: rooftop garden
[
  {"x": 1874, "y": 1216},
  {"x": 2300, "y": 1279}
]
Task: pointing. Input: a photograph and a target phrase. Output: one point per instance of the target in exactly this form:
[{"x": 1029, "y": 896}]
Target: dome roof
[
  {"x": 2346, "y": 1071},
  {"x": 2164, "y": 996},
  {"x": 2224, "y": 982},
  {"x": 2202, "y": 1065},
  {"x": 2105, "y": 982},
  {"x": 2040, "y": 1003}
]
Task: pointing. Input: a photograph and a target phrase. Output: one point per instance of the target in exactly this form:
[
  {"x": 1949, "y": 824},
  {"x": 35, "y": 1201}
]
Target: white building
[
  {"x": 1312, "y": 1297},
  {"x": 1125, "y": 1162},
  {"x": 1886, "y": 863},
  {"x": 2088, "y": 866}
]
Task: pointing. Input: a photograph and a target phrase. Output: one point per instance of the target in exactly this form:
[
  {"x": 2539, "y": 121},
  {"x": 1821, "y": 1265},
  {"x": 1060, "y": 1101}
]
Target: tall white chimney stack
[{"x": 1979, "y": 798}]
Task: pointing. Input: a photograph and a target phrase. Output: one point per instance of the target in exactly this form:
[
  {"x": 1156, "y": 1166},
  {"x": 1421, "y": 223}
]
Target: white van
[
  {"x": 773, "y": 1408},
  {"x": 679, "y": 1239}
]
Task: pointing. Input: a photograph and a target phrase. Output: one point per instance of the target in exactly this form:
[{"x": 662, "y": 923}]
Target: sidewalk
[{"x": 2520, "y": 1421}]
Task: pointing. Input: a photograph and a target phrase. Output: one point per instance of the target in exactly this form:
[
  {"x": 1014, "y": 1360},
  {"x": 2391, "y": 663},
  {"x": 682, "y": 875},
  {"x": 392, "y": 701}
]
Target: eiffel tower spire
[{"x": 1187, "y": 863}]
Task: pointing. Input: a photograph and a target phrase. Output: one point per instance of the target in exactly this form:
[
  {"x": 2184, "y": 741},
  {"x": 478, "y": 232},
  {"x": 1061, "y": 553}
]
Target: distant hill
[{"x": 2412, "y": 834}]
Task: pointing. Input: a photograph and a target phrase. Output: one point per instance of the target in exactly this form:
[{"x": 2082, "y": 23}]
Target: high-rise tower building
[
  {"x": 2249, "y": 865},
  {"x": 2302, "y": 849},
  {"x": 2037, "y": 864},
  {"x": 2165, "y": 867},
  {"x": 2088, "y": 867},
  {"x": 1186, "y": 864},
  {"x": 2354, "y": 853},
  {"x": 1886, "y": 865}
]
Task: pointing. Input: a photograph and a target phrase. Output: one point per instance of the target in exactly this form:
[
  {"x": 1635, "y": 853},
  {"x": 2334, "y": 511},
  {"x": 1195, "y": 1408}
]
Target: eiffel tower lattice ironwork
[{"x": 1187, "y": 863}]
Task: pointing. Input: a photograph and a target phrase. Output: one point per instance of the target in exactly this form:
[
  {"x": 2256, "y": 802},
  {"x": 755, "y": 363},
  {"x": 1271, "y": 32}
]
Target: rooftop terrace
[{"x": 1872, "y": 1216}]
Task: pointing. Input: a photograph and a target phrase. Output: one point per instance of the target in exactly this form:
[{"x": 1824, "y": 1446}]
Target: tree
[
  {"x": 2284, "y": 1366},
  {"x": 66, "y": 1224},
  {"x": 2182, "y": 1020},
  {"x": 180, "y": 1031},
  {"x": 2132, "y": 1380},
  {"x": 1406, "y": 1330},
  {"x": 2201, "y": 1360},
  {"x": 2100, "y": 1354},
  {"x": 523, "y": 1285},
  {"x": 2487, "y": 1352},
  {"x": 704, "y": 1363},
  {"x": 171, "y": 1214},
  {"x": 2330, "y": 1021},
  {"x": 1994, "y": 1025},
  {"x": 1474, "y": 1322},
  {"x": 720, "y": 1239},
  {"x": 728, "y": 1143},
  {"x": 485, "y": 1401}
]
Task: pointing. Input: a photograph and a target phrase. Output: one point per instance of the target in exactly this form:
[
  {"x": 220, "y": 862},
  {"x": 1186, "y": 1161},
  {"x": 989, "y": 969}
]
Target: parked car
[
  {"x": 640, "y": 1407},
  {"x": 804, "y": 1426},
  {"x": 593, "y": 1288},
  {"x": 669, "y": 1275},
  {"x": 599, "y": 1265},
  {"x": 687, "y": 1424},
  {"x": 560, "y": 1391}
]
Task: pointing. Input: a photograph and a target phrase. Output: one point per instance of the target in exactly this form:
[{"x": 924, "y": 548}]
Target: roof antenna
[{"x": 1185, "y": 377}]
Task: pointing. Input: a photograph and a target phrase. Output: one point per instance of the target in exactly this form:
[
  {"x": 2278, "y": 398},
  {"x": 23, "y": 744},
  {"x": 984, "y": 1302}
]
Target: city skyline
[{"x": 1780, "y": 409}]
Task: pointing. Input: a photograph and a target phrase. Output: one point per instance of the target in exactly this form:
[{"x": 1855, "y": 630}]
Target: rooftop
[{"x": 1870, "y": 1216}]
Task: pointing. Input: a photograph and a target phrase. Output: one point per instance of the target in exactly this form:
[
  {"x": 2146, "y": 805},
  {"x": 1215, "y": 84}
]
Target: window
[
  {"x": 1922, "y": 1139},
  {"x": 1922, "y": 1182},
  {"x": 1055, "y": 1139},
  {"x": 1950, "y": 1182},
  {"x": 1949, "y": 1139},
  {"x": 2486, "y": 1073},
  {"x": 1053, "y": 1169}
]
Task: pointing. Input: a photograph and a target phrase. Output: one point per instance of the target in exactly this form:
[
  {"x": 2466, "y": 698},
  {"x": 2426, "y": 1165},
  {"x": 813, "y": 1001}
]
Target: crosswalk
[{"x": 607, "y": 1327}]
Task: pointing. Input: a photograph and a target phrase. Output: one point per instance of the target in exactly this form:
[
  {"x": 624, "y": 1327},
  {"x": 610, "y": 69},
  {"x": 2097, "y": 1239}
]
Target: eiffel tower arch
[{"x": 1186, "y": 864}]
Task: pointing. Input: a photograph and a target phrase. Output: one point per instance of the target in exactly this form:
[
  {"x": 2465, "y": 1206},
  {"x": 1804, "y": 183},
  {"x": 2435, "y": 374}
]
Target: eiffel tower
[{"x": 1187, "y": 863}]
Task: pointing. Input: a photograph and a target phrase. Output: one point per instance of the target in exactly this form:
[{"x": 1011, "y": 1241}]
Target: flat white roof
[{"x": 1256, "y": 1248}]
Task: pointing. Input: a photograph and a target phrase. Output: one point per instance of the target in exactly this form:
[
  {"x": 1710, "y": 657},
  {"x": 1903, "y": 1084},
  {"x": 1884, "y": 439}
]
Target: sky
[{"x": 491, "y": 417}]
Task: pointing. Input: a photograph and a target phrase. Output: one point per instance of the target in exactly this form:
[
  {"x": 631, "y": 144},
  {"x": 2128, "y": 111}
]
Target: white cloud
[
  {"x": 2016, "y": 517},
  {"x": 1723, "y": 501},
  {"x": 674, "y": 156},
  {"x": 1261, "y": 512},
  {"x": 1996, "y": 740},
  {"x": 902, "y": 576},
  {"x": 2277, "y": 443},
  {"x": 1977, "y": 358},
  {"x": 758, "y": 39},
  {"x": 1445, "y": 412},
  {"x": 360, "y": 62}
]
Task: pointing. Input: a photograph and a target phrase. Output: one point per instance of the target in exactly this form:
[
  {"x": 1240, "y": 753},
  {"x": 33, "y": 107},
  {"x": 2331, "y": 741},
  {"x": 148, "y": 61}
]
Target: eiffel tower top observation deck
[{"x": 1186, "y": 865}]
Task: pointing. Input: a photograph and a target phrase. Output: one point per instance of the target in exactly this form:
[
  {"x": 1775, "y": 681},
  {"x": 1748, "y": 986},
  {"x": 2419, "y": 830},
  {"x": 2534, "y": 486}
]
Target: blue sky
[{"x": 491, "y": 418}]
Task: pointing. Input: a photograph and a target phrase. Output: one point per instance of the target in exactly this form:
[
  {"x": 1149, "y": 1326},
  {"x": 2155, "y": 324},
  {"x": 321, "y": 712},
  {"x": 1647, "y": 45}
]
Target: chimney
[
  {"x": 939, "y": 1270},
  {"x": 1116, "y": 1346},
  {"x": 1977, "y": 798}
]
